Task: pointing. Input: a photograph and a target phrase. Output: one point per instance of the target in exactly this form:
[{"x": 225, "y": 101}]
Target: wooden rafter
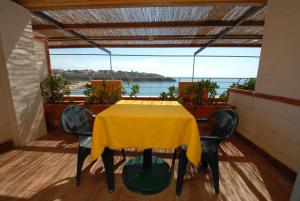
[
  {"x": 154, "y": 45},
  {"x": 249, "y": 13},
  {"x": 80, "y": 4},
  {"x": 154, "y": 38},
  {"x": 72, "y": 32},
  {"x": 148, "y": 25}
]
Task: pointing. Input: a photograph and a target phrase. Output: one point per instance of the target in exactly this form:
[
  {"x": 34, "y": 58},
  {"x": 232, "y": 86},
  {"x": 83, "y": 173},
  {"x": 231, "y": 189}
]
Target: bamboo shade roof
[{"x": 191, "y": 25}]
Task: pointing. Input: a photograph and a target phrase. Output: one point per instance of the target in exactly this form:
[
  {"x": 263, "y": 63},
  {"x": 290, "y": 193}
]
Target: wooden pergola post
[
  {"x": 48, "y": 58},
  {"x": 45, "y": 40}
]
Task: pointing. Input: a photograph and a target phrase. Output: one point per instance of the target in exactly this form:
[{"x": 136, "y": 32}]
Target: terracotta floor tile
[
  {"x": 88, "y": 186},
  {"x": 56, "y": 191},
  {"x": 45, "y": 171},
  {"x": 102, "y": 194},
  {"x": 77, "y": 198},
  {"x": 127, "y": 199},
  {"x": 132, "y": 195}
]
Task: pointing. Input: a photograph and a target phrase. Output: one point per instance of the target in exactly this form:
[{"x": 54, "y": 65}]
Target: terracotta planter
[
  {"x": 204, "y": 111},
  {"x": 110, "y": 87},
  {"x": 97, "y": 108},
  {"x": 53, "y": 112},
  {"x": 191, "y": 108},
  {"x": 187, "y": 97}
]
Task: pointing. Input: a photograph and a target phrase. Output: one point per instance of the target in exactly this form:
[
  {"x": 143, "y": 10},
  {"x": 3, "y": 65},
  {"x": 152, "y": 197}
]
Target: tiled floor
[{"x": 45, "y": 170}]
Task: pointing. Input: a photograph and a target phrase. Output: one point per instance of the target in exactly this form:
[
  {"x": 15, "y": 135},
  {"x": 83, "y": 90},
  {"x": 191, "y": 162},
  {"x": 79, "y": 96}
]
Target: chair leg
[
  {"x": 108, "y": 162},
  {"x": 82, "y": 154},
  {"x": 214, "y": 166},
  {"x": 174, "y": 157},
  {"x": 181, "y": 170},
  {"x": 203, "y": 162},
  {"x": 123, "y": 153}
]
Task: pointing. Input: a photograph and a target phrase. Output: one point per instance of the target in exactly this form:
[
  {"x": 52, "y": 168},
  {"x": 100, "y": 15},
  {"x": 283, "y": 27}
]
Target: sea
[{"x": 153, "y": 89}]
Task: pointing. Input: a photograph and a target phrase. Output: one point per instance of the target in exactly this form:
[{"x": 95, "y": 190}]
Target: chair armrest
[
  {"x": 214, "y": 139},
  {"x": 202, "y": 120},
  {"x": 88, "y": 134},
  {"x": 85, "y": 134}
]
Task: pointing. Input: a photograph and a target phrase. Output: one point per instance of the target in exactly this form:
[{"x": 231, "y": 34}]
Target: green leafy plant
[
  {"x": 114, "y": 96},
  {"x": 200, "y": 88},
  {"x": 249, "y": 84},
  {"x": 103, "y": 96},
  {"x": 54, "y": 88},
  {"x": 224, "y": 96},
  {"x": 135, "y": 89},
  {"x": 91, "y": 93},
  {"x": 171, "y": 94}
]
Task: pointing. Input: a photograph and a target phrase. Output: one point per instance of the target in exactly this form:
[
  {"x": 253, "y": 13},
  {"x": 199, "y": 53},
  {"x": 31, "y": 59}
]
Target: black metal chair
[
  {"x": 224, "y": 123},
  {"x": 76, "y": 121}
]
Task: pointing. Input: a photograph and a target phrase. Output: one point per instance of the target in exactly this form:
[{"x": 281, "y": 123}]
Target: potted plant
[
  {"x": 135, "y": 89},
  {"x": 199, "y": 97},
  {"x": 90, "y": 92},
  {"x": 247, "y": 87},
  {"x": 53, "y": 89},
  {"x": 249, "y": 84},
  {"x": 223, "y": 97},
  {"x": 100, "y": 95},
  {"x": 202, "y": 91},
  {"x": 171, "y": 94}
]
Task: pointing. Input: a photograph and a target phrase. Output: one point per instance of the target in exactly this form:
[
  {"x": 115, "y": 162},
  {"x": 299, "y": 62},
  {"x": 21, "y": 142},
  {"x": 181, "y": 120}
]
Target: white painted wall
[
  {"x": 25, "y": 66},
  {"x": 6, "y": 105},
  {"x": 275, "y": 126},
  {"x": 279, "y": 71},
  {"x": 13, "y": 20}
]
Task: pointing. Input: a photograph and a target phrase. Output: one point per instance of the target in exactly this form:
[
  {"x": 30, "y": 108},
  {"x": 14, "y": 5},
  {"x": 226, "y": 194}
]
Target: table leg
[
  {"x": 147, "y": 160},
  {"x": 108, "y": 161},
  {"x": 181, "y": 170}
]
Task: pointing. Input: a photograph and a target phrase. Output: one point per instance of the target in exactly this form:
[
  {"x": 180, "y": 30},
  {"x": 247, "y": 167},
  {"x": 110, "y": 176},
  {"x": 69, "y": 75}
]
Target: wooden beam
[
  {"x": 74, "y": 33},
  {"x": 135, "y": 25},
  {"x": 154, "y": 45},
  {"x": 155, "y": 38},
  {"x": 35, "y": 5},
  {"x": 249, "y": 13}
]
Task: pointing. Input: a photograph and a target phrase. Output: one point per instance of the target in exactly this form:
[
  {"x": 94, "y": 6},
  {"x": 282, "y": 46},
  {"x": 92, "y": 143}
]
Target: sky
[{"x": 167, "y": 66}]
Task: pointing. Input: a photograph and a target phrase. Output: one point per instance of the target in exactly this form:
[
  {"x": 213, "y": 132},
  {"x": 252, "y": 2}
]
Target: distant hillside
[{"x": 87, "y": 75}]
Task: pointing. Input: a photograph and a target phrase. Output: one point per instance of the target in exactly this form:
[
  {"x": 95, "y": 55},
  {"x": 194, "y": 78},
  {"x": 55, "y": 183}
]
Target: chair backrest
[
  {"x": 74, "y": 119},
  {"x": 224, "y": 123}
]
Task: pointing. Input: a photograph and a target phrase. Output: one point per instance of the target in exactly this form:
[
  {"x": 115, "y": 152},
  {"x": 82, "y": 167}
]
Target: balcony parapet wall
[
  {"x": 281, "y": 99},
  {"x": 270, "y": 122}
]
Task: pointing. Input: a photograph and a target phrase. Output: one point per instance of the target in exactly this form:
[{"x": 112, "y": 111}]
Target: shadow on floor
[{"x": 45, "y": 170}]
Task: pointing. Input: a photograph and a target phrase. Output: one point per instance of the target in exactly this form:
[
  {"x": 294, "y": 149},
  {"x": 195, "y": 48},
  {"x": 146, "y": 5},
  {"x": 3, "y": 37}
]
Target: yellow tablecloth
[{"x": 146, "y": 124}]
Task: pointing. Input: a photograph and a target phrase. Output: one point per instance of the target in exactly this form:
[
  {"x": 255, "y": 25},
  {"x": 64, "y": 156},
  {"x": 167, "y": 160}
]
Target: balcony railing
[{"x": 154, "y": 88}]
